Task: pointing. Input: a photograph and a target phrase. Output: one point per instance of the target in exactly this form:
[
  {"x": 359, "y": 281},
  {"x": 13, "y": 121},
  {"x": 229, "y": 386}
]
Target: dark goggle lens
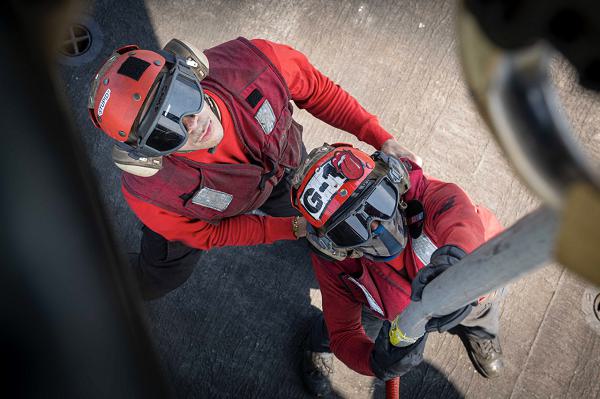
[
  {"x": 185, "y": 97},
  {"x": 355, "y": 230},
  {"x": 383, "y": 202},
  {"x": 349, "y": 232},
  {"x": 164, "y": 139}
]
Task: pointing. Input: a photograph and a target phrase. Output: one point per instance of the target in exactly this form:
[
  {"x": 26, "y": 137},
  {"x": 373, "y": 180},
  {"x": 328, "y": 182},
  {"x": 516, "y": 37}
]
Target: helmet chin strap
[{"x": 213, "y": 107}]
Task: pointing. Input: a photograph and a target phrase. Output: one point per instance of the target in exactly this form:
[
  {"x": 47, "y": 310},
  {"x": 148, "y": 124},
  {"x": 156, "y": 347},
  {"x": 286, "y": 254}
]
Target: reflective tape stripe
[
  {"x": 423, "y": 247},
  {"x": 372, "y": 304}
]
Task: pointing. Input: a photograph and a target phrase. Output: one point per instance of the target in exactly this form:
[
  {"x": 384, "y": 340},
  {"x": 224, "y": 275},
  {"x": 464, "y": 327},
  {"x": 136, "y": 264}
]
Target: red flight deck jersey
[
  {"x": 346, "y": 286},
  {"x": 310, "y": 90}
]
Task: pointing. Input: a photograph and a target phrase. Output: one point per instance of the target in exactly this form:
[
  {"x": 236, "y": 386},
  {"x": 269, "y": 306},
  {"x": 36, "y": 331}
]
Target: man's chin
[{"x": 213, "y": 141}]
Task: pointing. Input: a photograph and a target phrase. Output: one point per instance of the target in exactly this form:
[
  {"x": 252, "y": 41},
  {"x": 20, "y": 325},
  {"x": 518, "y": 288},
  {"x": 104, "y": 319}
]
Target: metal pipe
[{"x": 523, "y": 248}]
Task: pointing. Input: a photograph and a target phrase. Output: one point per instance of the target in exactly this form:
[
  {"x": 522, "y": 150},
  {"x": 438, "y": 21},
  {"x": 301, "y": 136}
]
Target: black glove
[
  {"x": 441, "y": 260},
  {"x": 389, "y": 361}
]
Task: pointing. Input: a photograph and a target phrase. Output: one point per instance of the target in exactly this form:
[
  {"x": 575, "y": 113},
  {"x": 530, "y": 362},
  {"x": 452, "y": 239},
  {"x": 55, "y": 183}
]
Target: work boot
[
  {"x": 485, "y": 354},
  {"x": 316, "y": 369}
]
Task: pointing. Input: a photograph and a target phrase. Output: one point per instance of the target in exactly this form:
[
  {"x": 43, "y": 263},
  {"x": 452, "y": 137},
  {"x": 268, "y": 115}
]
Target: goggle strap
[
  {"x": 133, "y": 152},
  {"x": 169, "y": 56},
  {"x": 124, "y": 146}
]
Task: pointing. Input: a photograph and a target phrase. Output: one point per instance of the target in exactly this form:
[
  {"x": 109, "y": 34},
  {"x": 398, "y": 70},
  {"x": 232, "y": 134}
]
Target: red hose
[{"x": 392, "y": 388}]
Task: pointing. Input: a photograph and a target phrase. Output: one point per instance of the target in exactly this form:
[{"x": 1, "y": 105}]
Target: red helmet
[
  {"x": 353, "y": 201},
  {"x": 140, "y": 97},
  {"x": 120, "y": 88},
  {"x": 327, "y": 179}
]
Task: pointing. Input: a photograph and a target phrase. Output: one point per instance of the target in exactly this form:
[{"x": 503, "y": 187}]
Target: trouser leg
[
  {"x": 371, "y": 324},
  {"x": 484, "y": 319},
  {"x": 162, "y": 265},
  {"x": 318, "y": 336}
]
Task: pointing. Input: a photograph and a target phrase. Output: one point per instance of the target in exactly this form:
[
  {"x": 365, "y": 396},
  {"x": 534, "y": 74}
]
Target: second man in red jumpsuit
[{"x": 382, "y": 230}]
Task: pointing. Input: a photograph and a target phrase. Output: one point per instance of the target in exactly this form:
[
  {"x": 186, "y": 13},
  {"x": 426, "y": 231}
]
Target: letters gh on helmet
[{"x": 353, "y": 201}]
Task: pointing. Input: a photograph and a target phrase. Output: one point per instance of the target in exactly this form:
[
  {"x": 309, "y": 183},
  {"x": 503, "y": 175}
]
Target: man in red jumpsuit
[
  {"x": 207, "y": 138},
  {"x": 381, "y": 230}
]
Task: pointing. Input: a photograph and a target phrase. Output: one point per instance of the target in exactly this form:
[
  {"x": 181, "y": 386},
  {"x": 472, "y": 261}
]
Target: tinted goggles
[
  {"x": 178, "y": 94},
  {"x": 354, "y": 229}
]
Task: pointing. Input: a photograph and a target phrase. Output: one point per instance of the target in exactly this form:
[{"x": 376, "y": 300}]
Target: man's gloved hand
[
  {"x": 441, "y": 259},
  {"x": 389, "y": 361}
]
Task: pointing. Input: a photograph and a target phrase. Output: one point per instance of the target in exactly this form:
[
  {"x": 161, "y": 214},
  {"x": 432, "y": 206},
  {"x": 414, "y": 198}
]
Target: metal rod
[{"x": 521, "y": 249}]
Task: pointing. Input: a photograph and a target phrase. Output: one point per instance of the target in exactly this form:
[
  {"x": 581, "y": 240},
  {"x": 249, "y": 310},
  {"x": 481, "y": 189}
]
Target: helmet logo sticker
[
  {"x": 348, "y": 164},
  {"x": 103, "y": 102},
  {"x": 321, "y": 189}
]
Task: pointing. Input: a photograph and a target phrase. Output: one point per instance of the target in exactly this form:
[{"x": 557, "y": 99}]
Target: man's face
[{"x": 204, "y": 130}]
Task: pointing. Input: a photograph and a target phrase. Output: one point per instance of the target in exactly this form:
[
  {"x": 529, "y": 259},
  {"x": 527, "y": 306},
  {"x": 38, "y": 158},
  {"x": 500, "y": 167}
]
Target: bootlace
[{"x": 488, "y": 346}]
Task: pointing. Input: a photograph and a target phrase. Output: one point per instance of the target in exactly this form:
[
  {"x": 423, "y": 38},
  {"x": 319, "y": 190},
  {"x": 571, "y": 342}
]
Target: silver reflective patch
[
  {"x": 423, "y": 247},
  {"x": 372, "y": 304},
  {"x": 213, "y": 199},
  {"x": 266, "y": 117}
]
